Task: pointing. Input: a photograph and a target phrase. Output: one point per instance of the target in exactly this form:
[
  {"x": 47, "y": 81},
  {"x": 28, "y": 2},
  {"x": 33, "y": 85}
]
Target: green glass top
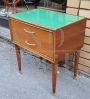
[{"x": 46, "y": 18}]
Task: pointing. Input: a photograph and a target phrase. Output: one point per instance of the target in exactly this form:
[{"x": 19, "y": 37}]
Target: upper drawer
[
  {"x": 73, "y": 3},
  {"x": 85, "y": 4},
  {"x": 32, "y": 38}
]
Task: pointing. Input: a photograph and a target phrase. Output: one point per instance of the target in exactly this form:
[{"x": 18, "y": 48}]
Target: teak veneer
[{"x": 48, "y": 34}]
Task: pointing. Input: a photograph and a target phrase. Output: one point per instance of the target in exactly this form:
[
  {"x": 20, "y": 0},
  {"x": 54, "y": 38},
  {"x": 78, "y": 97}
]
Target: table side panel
[{"x": 69, "y": 38}]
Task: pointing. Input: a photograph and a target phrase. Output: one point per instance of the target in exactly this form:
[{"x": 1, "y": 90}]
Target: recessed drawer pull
[
  {"x": 30, "y": 32},
  {"x": 31, "y": 44}
]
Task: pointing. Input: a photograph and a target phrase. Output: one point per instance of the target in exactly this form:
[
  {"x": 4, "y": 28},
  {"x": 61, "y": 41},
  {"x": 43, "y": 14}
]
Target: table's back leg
[
  {"x": 54, "y": 76},
  {"x": 77, "y": 53},
  {"x": 18, "y": 56}
]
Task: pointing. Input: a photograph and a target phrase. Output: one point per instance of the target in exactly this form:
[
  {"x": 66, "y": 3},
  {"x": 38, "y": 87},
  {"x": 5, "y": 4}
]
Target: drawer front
[{"x": 38, "y": 41}]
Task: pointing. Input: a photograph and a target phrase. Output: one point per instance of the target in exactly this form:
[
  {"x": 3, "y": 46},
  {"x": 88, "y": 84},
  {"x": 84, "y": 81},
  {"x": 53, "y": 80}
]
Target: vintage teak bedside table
[{"x": 48, "y": 34}]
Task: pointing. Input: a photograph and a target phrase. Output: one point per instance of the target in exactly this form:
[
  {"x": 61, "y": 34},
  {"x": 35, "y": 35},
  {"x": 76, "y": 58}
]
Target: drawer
[{"x": 33, "y": 39}]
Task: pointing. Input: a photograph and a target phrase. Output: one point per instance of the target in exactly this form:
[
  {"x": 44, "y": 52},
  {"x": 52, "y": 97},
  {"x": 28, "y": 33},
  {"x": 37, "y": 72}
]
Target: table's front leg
[
  {"x": 54, "y": 76},
  {"x": 18, "y": 56},
  {"x": 77, "y": 54}
]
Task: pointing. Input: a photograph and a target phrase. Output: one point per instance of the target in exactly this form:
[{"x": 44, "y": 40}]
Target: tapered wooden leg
[
  {"x": 77, "y": 53},
  {"x": 18, "y": 56},
  {"x": 54, "y": 76}
]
